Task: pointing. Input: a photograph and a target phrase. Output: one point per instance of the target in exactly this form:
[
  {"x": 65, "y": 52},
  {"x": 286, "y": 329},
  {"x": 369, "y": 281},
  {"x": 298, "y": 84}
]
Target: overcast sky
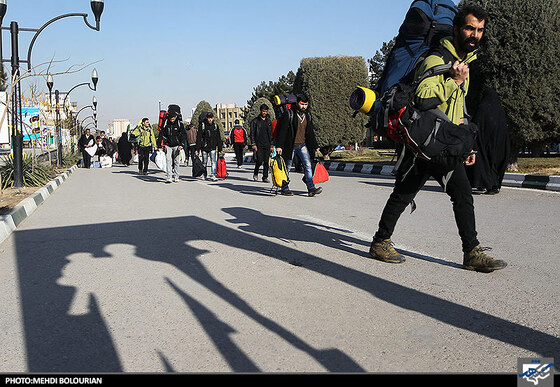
[{"x": 182, "y": 52}]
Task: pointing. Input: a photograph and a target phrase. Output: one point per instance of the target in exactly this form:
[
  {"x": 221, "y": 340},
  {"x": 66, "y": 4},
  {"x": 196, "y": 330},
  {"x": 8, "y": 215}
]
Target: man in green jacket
[
  {"x": 447, "y": 92},
  {"x": 146, "y": 142}
]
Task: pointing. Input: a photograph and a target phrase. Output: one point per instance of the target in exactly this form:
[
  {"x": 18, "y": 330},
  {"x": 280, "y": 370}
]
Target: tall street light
[
  {"x": 16, "y": 106},
  {"x": 50, "y": 83}
]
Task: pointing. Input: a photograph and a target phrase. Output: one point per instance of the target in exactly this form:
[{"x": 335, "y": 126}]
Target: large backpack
[
  {"x": 427, "y": 133},
  {"x": 425, "y": 24}
]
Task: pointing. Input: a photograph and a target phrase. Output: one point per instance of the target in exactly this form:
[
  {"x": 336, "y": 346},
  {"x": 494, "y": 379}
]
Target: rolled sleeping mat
[{"x": 362, "y": 100}]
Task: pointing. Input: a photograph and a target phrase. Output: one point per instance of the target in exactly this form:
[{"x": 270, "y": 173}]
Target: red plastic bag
[{"x": 320, "y": 175}]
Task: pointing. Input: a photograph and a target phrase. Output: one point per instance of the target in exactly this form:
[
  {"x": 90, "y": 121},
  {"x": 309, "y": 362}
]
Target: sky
[{"x": 184, "y": 51}]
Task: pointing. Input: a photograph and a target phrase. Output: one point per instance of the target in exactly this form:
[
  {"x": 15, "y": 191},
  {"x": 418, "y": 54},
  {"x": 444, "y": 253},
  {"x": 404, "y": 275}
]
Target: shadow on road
[{"x": 63, "y": 336}]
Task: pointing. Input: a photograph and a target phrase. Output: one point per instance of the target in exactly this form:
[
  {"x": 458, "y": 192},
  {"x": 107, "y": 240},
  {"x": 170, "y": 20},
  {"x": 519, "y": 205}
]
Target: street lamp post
[
  {"x": 50, "y": 83},
  {"x": 16, "y": 119}
]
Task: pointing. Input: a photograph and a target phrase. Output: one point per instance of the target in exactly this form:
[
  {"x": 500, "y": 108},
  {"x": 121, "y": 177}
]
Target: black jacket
[
  {"x": 261, "y": 132},
  {"x": 172, "y": 134},
  {"x": 208, "y": 137},
  {"x": 84, "y": 140},
  {"x": 286, "y": 133}
]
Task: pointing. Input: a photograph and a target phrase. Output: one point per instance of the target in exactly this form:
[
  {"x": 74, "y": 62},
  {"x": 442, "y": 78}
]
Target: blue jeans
[
  {"x": 213, "y": 155},
  {"x": 303, "y": 153}
]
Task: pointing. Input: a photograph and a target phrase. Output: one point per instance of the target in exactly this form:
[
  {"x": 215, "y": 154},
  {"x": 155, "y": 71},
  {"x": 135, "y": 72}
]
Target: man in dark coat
[
  {"x": 86, "y": 141},
  {"x": 261, "y": 142},
  {"x": 296, "y": 137}
]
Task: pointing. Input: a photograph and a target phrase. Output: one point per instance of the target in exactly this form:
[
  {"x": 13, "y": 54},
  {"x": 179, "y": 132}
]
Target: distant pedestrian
[
  {"x": 172, "y": 138},
  {"x": 85, "y": 142},
  {"x": 210, "y": 144},
  {"x": 125, "y": 150},
  {"x": 238, "y": 137},
  {"x": 190, "y": 143},
  {"x": 296, "y": 137},
  {"x": 261, "y": 142},
  {"x": 146, "y": 142}
]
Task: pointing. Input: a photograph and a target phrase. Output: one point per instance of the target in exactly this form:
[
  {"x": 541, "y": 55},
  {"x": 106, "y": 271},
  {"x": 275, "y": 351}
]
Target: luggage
[
  {"x": 278, "y": 171},
  {"x": 425, "y": 24},
  {"x": 221, "y": 168},
  {"x": 198, "y": 168},
  {"x": 161, "y": 120},
  {"x": 320, "y": 175}
]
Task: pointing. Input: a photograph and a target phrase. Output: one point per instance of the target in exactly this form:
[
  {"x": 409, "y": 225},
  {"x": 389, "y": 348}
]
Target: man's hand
[
  {"x": 279, "y": 151},
  {"x": 459, "y": 72},
  {"x": 470, "y": 160}
]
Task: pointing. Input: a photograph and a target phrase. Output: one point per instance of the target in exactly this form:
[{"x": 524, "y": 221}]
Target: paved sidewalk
[{"x": 118, "y": 272}]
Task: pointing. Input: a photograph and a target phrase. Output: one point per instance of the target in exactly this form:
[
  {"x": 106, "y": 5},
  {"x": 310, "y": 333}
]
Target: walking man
[
  {"x": 210, "y": 143},
  {"x": 261, "y": 142},
  {"x": 238, "y": 137},
  {"x": 171, "y": 138},
  {"x": 86, "y": 141},
  {"x": 448, "y": 92},
  {"x": 295, "y": 137},
  {"x": 146, "y": 141}
]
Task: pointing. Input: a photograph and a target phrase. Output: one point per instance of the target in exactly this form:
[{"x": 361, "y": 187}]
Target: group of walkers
[
  {"x": 295, "y": 137},
  {"x": 100, "y": 146}
]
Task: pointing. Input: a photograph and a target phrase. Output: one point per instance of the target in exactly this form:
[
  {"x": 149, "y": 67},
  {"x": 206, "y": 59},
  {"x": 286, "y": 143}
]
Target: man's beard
[{"x": 465, "y": 46}]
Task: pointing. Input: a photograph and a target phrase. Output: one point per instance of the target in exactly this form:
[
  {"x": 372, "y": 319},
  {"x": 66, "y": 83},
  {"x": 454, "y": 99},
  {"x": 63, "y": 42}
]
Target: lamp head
[
  {"x": 97, "y": 8},
  {"x": 94, "y": 78},
  {"x": 3, "y": 8},
  {"x": 50, "y": 81}
]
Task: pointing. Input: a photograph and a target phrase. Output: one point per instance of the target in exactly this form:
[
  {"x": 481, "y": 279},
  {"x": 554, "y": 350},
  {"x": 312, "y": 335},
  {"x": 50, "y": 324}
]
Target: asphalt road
[{"x": 118, "y": 272}]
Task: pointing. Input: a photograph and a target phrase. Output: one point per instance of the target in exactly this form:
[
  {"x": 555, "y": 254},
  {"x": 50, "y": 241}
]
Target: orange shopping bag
[{"x": 320, "y": 175}]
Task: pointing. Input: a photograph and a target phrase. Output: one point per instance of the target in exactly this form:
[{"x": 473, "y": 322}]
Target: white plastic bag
[
  {"x": 106, "y": 161},
  {"x": 161, "y": 161}
]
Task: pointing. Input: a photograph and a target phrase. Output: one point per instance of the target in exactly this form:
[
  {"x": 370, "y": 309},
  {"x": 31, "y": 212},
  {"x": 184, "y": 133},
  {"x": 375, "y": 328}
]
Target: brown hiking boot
[
  {"x": 478, "y": 260},
  {"x": 383, "y": 250}
]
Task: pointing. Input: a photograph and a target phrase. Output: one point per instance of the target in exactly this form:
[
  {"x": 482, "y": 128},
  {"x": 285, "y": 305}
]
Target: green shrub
[
  {"x": 35, "y": 174},
  {"x": 329, "y": 82}
]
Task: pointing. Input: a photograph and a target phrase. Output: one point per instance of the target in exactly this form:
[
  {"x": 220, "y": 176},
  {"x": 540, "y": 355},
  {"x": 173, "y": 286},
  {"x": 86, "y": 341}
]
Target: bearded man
[{"x": 446, "y": 92}]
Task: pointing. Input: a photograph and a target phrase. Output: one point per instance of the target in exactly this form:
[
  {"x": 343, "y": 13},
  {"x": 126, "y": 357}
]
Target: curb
[
  {"x": 519, "y": 180},
  {"x": 10, "y": 221}
]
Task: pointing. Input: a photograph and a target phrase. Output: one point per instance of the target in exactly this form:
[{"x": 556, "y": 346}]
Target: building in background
[
  {"x": 228, "y": 113},
  {"x": 118, "y": 127}
]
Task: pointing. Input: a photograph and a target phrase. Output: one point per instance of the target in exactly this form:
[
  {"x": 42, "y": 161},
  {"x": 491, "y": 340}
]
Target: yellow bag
[{"x": 278, "y": 171}]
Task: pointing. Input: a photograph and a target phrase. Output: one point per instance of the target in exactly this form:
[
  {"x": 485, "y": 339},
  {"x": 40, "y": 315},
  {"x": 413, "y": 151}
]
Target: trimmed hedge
[{"x": 328, "y": 82}]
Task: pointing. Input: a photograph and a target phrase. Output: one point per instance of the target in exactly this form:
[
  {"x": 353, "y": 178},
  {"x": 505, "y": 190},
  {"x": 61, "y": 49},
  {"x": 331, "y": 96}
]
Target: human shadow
[
  {"x": 84, "y": 336},
  {"x": 60, "y": 341}
]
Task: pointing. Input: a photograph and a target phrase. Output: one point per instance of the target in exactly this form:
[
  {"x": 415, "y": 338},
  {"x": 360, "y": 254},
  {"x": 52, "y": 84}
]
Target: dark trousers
[
  {"x": 238, "y": 148},
  {"x": 458, "y": 188},
  {"x": 87, "y": 159},
  {"x": 262, "y": 156},
  {"x": 144, "y": 154}
]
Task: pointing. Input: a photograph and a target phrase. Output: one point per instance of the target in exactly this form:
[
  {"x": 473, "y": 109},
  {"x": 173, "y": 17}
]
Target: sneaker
[
  {"x": 314, "y": 191},
  {"x": 168, "y": 181},
  {"x": 383, "y": 250},
  {"x": 256, "y": 177},
  {"x": 176, "y": 179},
  {"x": 265, "y": 180},
  {"x": 213, "y": 178},
  {"x": 286, "y": 192},
  {"x": 478, "y": 260}
]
